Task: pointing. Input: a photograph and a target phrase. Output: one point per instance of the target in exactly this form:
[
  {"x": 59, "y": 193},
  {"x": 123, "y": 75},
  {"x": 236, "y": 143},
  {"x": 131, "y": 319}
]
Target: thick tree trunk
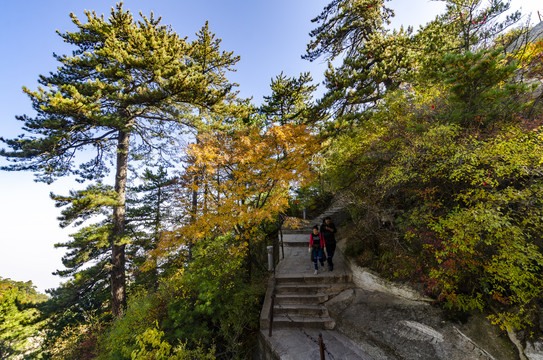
[
  {"x": 158, "y": 234},
  {"x": 194, "y": 209},
  {"x": 118, "y": 277}
]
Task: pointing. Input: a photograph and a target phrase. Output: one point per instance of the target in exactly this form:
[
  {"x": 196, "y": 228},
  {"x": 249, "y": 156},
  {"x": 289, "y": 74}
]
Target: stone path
[
  {"x": 288, "y": 344},
  {"x": 300, "y": 314}
]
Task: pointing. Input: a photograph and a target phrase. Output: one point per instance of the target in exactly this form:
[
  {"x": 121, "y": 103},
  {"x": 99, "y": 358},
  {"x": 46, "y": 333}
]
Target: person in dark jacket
[
  {"x": 328, "y": 230},
  {"x": 316, "y": 247}
]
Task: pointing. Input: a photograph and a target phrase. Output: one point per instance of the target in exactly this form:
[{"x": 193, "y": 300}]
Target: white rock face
[
  {"x": 365, "y": 279},
  {"x": 534, "y": 351},
  {"x": 416, "y": 331}
]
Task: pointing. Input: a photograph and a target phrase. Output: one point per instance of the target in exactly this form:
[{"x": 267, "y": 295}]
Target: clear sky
[{"x": 270, "y": 37}]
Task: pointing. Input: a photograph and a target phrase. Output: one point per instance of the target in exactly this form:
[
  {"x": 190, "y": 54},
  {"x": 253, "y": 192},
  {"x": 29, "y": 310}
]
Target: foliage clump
[
  {"x": 21, "y": 323},
  {"x": 445, "y": 169}
]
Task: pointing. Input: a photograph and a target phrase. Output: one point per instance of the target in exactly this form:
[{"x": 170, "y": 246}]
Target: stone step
[
  {"x": 296, "y": 243},
  {"x": 305, "y": 310},
  {"x": 296, "y": 239},
  {"x": 296, "y": 232},
  {"x": 282, "y": 299},
  {"x": 325, "y": 277},
  {"x": 304, "y": 322},
  {"x": 325, "y": 288},
  {"x": 299, "y": 289}
]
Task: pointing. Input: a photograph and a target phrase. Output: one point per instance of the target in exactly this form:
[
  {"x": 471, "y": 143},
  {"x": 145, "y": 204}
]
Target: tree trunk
[
  {"x": 158, "y": 235},
  {"x": 118, "y": 277},
  {"x": 194, "y": 208}
]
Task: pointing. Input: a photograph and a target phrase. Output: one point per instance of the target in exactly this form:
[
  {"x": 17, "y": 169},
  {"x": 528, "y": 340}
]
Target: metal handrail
[
  {"x": 322, "y": 347},
  {"x": 281, "y": 221}
]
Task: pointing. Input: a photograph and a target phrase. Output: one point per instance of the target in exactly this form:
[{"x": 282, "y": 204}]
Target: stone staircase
[
  {"x": 338, "y": 204},
  {"x": 300, "y": 312},
  {"x": 299, "y": 299},
  {"x": 299, "y": 294}
]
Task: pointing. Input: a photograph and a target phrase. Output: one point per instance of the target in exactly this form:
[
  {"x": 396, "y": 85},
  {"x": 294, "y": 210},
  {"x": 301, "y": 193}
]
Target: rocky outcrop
[
  {"x": 395, "y": 319},
  {"x": 527, "y": 37}
]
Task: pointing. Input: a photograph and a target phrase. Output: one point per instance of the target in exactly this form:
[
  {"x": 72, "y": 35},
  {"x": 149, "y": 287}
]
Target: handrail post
[
  {"x": 322, "y": 347},
  {"x": 281, "y": 242},
  {"x": 271, "y": 263},
  {"x": 281, "y": 221}
]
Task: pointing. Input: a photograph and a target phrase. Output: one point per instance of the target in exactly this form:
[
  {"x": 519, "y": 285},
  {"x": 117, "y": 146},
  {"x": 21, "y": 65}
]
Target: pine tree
[
  {"x": 86, "y": 262},
  {"x": 377, "y": 60},
  {"x": 450, "y": 160},
  {"x": 345, "y": 27},
  {"x": 87, "y": 258},
  {"x": 126, "y": 91},
  {"x": 374, "y": 59},
  {"x": 290, "y": 101},
  {"x": 465, "y": 27},
  {"x": 151, "y": 212}
]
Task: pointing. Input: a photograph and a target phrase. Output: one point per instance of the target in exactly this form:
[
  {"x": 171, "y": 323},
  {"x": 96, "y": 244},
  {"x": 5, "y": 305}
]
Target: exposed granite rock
[
  {"x": 390, "y": 327},
  {"x": 394, "y": 320}
]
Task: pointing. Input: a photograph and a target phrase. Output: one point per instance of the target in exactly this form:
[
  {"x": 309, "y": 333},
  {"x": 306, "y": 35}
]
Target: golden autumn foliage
[
  {"x": 245, "y": 176},
  {"x": 531, "y": 58}
]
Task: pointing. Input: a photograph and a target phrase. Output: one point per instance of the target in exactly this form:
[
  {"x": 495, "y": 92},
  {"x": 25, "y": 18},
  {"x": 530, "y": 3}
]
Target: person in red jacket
[{"x": 316, "y": 248}]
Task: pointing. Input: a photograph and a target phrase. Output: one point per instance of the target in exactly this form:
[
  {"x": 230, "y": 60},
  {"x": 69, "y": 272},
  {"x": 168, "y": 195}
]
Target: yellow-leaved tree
[
  {"x": 246, "y": 175},
  {"x": 246, "y": 171}
]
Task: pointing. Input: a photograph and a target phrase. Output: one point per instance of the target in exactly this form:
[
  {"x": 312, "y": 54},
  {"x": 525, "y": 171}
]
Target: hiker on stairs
[
  {"x": 328, "y": 230},
  {"x": 316, "y": 247}
]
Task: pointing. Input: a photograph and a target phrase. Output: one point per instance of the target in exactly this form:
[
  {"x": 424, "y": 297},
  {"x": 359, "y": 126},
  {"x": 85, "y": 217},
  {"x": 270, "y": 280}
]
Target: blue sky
[{"x": 270, "y": 37}]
